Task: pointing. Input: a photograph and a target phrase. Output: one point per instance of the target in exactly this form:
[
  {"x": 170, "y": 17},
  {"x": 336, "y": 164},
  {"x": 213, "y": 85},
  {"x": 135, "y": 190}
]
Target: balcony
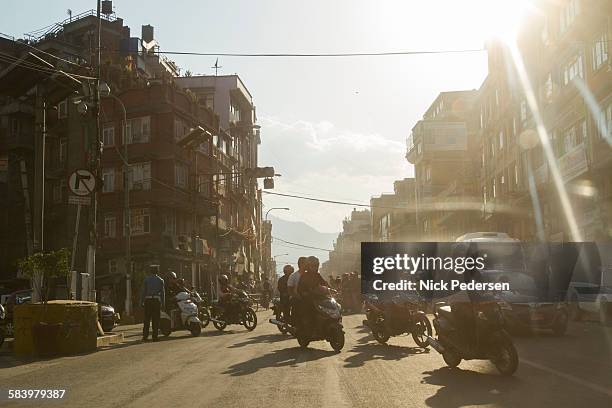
[{"x": 432, "y": 136}]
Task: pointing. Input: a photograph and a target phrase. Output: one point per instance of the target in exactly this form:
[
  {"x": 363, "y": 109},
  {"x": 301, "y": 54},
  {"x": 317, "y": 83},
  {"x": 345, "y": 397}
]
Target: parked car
[{"x": 590, "y": 291}]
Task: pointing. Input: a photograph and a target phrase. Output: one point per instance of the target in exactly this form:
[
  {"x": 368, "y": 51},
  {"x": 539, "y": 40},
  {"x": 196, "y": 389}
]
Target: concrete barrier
[{"x": 59, "y": 327}]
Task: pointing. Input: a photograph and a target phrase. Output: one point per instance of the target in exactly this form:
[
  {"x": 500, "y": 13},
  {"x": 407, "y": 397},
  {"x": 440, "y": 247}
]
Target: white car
[{"x": 590, "y": 290}]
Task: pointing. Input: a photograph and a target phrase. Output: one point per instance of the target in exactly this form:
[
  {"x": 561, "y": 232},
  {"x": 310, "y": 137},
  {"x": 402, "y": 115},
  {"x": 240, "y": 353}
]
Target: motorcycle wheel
[
  {"x": 337, "y": 341},
  {"x": 218, "y": 325},
  {"x": 204, "y": 317},
  {"x": 282, "y": 328},
  {"x": 250, "y": 319},
  {"x": 420, "y": 331},
  {"x": 507, "y": 360},
  {"x": 303, "y": 341},
  {"x": 195, "y": 329},
  {"x": 381, "y": 336},
  {"x": 451, "y": 358}
]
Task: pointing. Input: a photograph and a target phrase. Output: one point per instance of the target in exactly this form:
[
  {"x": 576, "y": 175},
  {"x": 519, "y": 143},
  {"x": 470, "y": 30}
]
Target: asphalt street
[{"x": 264, "y": 368}]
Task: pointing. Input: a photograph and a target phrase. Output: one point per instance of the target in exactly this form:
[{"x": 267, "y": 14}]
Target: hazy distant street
[{"x": 241, "y": 369}]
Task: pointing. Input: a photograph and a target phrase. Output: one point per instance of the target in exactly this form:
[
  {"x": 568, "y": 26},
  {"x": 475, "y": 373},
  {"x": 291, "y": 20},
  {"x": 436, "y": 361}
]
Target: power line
[
  {"x": 322, "y": 200},
  {"x": 338, "y": 54},
  {"x": 302, "y": 245}
]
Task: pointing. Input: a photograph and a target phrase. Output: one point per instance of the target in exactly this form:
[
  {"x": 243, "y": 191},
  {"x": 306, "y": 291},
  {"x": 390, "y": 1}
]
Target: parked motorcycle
[
  {"x": 400, "y": 315},
  {"x": 327, "y": 321},
  {"x": 240, "y": 312},
  {"x": 491, "y": 341},
  {"x": 185, "y": 317},
  {"x": 279, "y": 316}
]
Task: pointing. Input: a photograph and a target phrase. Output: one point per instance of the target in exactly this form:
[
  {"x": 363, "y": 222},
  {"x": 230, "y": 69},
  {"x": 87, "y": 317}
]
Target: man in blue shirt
[{"x": 152, "y": 297}]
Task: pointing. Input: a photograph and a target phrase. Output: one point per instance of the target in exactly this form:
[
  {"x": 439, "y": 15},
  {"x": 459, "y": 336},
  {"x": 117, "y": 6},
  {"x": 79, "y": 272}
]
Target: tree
[{"x": 42, "y": 266}]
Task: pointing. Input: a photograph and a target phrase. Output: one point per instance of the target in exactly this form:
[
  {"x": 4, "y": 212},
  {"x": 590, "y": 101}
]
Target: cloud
[{"x": 320, "y": 160}]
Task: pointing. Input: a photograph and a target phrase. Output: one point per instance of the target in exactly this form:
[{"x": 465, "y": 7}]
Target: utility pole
[{"x": 94, "y": 165}]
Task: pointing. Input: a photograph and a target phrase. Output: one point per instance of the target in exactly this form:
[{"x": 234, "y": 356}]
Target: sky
[{"x": 335, "y": 128}]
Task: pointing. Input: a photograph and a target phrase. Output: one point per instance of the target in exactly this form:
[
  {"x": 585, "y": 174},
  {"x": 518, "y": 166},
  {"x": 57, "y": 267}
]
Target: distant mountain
[{"x": 298, "y": 233}]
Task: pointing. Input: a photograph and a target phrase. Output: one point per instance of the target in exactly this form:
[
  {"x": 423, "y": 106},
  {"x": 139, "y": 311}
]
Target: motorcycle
[
  {"x": 279, "y": 316},
  {"x": 327, "y": 322},
  {"x": 401, "y": 315},
  {"x": 185, "y": 317},
  {"x": 240, "y": 313},
  {"x": 491, "y": 341}
]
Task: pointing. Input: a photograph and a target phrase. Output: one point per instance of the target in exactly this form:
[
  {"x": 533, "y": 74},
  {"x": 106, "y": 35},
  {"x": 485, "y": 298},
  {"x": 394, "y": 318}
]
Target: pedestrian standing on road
[{"x": 152, "y": 299}]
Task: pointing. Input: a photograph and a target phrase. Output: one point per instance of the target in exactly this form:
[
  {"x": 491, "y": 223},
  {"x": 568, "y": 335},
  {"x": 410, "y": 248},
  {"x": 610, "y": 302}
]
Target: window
[
  {"x": 108, "y": 180},
  {"x": 428, "y": 173},
  {"x": 62, "y": 109},
  {"x": 514, "y": 127},
  {"x": 523, "y": 112},
  {"x": 234, "y": 113},
  {"x": 139, "y": 130},
  {"x": 108, "y": 136},
  {"x": 110, "y": 226},
  {"x": 501, "y": 140},
  {"x": 572, "y": 69},
  {"x": 419, "y": 148},
  {"x": 140, "y": 176},
  {"x": 494, "y": 190},
  {"x": 492, "y": 147},
  {"x": 516, "y": 175},
  {"x": 169, "y": 223},
  {"x": 548, "y": 89},
  {"x": 140, "y": 221},
  {"x": 604, "y": 123},
  {"x": 180, "y": 129},
  {"x": 63, "y": 150},
  {"x": 180, "y": 175},
  {"x": 209, "y": 101},
  {"x": 600, "y": 51},
  {"x": 569, "y": 14}
]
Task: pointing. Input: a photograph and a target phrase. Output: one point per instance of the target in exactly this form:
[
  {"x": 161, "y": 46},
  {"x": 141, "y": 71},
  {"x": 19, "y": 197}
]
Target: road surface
[{"x": 264, "y": 368}]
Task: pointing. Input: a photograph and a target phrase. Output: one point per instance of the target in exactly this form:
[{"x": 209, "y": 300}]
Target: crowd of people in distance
[{"x": 349, "y": 288}]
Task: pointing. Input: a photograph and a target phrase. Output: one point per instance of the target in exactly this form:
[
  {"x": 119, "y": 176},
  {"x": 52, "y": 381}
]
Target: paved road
[{"x": 263, "y": 368}]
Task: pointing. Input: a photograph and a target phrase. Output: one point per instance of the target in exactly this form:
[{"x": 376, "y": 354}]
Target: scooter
[
  {"x": 491, "y": 341},
  {"x": 327, "y": 322},
  {"x": 183, "y": 318}
]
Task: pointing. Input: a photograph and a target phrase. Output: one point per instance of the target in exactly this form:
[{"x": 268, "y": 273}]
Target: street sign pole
[{"x": 76, "y": 236}]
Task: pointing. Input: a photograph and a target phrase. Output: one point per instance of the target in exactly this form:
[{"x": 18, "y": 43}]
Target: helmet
[
  {"x": 172, "y": 275},
  {"x": 223, "y": 279}
]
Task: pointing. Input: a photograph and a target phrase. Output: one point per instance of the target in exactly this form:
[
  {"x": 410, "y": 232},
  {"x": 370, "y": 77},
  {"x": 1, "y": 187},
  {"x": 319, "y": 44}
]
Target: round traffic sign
[{"x": 82, "y": 182}]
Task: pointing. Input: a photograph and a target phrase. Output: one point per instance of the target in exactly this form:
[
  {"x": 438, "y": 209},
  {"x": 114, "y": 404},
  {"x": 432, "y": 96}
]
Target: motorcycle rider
[
  {"x": 283, "y": 291},
  {"x": 292, "y": 287},
  {"x": 310, "y": 280},
  {"x": 225, "y": 297}
]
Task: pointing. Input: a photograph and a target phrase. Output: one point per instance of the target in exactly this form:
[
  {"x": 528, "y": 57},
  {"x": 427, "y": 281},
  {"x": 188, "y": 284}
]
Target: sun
[{"x": 501, "y": 19}]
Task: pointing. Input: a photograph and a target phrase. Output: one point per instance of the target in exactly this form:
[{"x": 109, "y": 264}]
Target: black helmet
[{"x": 223, "y": 279}]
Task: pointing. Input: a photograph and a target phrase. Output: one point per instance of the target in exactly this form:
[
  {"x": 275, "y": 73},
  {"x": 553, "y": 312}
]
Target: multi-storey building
[
  {"x": 345, "y": 257},
  {"x": 443, "y": 148},
  {"x": 565, "y": 53},
  {"x": 393, "y": 215},
  {"x": 195, "y": 210},
  {"x": 239, "y": 140}
]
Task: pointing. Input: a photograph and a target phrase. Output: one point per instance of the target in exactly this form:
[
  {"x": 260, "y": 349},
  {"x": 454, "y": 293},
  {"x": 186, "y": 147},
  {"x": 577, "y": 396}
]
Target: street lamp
[{"x": 105, "y": 92}]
